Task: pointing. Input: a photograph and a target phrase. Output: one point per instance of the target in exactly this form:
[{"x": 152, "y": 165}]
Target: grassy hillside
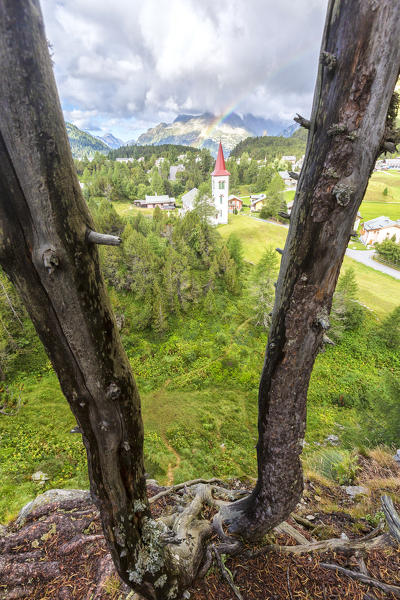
[
  {"x": 272, "y": 147},
  {"x": 380, "y": 292},
  {"x": 198, "y": 379},
  {"x": 83, "y": 144}
]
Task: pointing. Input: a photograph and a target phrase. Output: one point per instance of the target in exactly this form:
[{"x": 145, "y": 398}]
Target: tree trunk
[
  {"x": 45, "y": 250},
  {"x": 360, "y": 61}
]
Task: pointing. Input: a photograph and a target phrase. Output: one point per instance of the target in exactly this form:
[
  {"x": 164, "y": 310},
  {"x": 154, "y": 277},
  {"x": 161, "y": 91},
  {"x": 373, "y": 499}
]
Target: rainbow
[
  {"x": 218, "y": 120},
  {"x": 233, "y": 106}
]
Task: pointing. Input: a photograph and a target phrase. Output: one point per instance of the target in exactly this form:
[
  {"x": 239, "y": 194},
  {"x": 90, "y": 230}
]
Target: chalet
[
  {"x": 378, "y": 230},
  {"x": 258, "y": 197},
  {"x": 188, "y": 200},
  {"x": 124, "y": 160},
  {"x": 159, "y": 161},
  {"x": 289, "y": 181},
  {"x": 257, "y": 204},
  {"x": 164, "y": 202},
  {"x": 174, "y": 170},
  {"x": 234, "y": 203}
]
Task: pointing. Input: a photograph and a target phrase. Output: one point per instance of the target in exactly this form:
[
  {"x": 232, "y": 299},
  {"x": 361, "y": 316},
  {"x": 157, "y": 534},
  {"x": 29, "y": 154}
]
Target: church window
[
  {"x": 220, "y": 199},
  {"x": 222, "y": 185}
]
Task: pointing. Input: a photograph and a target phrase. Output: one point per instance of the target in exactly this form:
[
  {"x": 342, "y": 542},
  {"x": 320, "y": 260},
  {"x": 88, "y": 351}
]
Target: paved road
[
  {"x": 365, "y": 257},
  {"x": 362, "y": 256}
]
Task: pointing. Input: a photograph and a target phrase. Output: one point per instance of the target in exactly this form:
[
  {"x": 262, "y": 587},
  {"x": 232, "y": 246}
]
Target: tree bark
[
  {"x": 46, "y": 253},
  {"x": 360, "y": 61}
]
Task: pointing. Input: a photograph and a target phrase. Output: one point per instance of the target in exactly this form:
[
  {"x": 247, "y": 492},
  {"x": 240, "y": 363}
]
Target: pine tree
[
  {"x": 159, "y": 320},
  {"x": 209, "y": 302},
  {"x": 235, "y": 248}
]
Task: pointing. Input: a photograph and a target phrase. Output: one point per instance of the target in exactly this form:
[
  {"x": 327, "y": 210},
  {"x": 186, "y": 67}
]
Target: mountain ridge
[{"x": 207, "y": 130}]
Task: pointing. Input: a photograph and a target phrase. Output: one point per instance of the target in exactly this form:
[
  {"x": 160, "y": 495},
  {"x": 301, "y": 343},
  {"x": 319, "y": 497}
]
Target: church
[{"x": 220, "y": 189}]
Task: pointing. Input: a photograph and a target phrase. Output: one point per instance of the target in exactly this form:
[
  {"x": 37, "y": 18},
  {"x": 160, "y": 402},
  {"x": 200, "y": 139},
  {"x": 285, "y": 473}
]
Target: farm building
[
  {"x": 378, "y": 230},
  {"x": 164, "y": 202}
]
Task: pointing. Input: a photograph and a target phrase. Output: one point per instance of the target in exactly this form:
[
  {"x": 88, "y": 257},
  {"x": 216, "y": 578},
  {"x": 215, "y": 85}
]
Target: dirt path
[{"x": 171, "y": 468}]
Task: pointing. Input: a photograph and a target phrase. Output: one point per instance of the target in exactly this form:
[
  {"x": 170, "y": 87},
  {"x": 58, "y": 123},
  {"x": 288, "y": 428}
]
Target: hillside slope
[
  {"x": 83, "y": 144},
  {"x": 273, "y": 146}
]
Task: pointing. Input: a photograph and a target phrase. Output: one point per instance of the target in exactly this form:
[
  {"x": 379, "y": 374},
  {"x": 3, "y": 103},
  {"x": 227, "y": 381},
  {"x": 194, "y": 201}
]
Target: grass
[
  {"x": 127, "y": 209},
  {"x": 183, "y": 379},
  {"x": 371, "y": 210},
  {"x": 378, "y": 291},
  {"x": 255, "y": 235}
]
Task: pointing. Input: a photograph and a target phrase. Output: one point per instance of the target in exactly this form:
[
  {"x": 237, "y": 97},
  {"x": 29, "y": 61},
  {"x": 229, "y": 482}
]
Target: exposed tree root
[
  {"x": 331, "y": 545},
  {"x": 71, "y": 527},
  {"x": 389, "y": 589},
  {"x": 180, "y": 486},
  {"x": 226, "y": 574}
]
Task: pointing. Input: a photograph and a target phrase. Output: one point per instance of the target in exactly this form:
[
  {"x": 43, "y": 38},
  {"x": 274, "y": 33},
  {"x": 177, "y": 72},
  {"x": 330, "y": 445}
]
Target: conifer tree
[{"x": 209, "y": 302}]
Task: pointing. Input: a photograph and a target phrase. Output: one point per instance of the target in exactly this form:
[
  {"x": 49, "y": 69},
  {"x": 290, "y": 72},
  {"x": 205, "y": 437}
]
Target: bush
[
  {"x": 389, "y": 331},
  {"x": 389, "y": 250},
  {"x": 338, "y": 465}
]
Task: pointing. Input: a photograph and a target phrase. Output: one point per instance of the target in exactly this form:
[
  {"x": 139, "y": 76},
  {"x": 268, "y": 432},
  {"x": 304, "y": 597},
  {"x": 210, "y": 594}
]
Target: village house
[
  {"x": 164, "y": 202},
  {"x": 257, "y": 204},
  {"x": 141, "y": 159},
  {"x": 174, "y": 170},
  {"x": 378, "y": 230},
  {"x": 188, "y": 200},
  {"x": 234, "y": 203},
  {"x": 124, "y": 160},
  {"x": 289, "y": 159},
  {"x": 289, "y": 181},
  {"x": 159, "y": 161}
]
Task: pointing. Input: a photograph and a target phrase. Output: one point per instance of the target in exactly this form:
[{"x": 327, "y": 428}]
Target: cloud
[{"x": 130, "y": 62}]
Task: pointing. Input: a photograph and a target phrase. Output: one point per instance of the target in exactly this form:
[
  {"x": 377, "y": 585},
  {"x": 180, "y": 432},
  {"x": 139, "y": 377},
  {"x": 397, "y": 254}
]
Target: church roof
[{"x": 220, "y": 168}]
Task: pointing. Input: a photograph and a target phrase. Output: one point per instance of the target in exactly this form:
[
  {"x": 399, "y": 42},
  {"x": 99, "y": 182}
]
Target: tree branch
[{"x": 102, "y": 238}]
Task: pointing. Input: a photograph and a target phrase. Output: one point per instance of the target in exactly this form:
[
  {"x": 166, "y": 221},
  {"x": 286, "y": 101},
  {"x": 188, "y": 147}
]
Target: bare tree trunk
[
  {"x": 45, "y": 250},
  {"x": 360, "y": 61}
]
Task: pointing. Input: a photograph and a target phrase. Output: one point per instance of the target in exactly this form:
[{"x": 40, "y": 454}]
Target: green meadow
[{"x": 199, "y": 381}]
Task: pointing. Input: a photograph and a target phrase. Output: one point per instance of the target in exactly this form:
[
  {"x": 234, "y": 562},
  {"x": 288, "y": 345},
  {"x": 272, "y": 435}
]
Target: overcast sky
[{"x": 125, "y": 65}]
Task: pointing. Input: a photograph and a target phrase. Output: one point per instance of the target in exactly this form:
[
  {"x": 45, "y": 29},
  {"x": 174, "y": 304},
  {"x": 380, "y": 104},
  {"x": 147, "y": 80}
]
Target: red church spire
[{"x": 220, "y": 168}]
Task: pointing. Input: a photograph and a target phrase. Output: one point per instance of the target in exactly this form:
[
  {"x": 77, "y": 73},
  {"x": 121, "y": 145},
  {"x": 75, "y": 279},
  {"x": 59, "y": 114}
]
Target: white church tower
[{"x": 220, "y": 189}]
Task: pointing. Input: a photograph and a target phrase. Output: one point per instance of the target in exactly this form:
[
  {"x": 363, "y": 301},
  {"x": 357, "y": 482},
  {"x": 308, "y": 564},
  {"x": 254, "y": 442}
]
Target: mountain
[
  {"x": 83, "y": 144},
  {"x": 112, "y": 141},
  {"x": 289, "y": 131},
  {"x": 206, "y": 130}
]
